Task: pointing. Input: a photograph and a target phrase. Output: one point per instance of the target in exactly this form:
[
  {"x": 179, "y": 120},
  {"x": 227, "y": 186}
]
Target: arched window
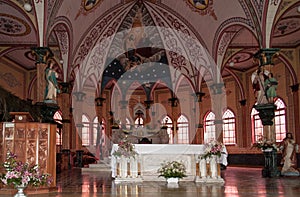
[
  {"x": 257, "y": 126},
  {"x": 167, "y": 121},
  {"x": 183, "y": 130},
  {"x": 139, "y": 122},
  {"x": 280, "y": 124},
  {"x": 57, "y": 117},
  {"x": 209, "y": 127},
  {"x": 229, "y": 127},
  {"x": 85, "y": 131}
]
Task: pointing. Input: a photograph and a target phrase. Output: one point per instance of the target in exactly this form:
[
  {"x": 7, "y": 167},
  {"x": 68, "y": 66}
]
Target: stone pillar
[
  {"x": 78, "y": 118},
  {"x": 199, "y": 136},
  {"x": 98, "y": 105},
  {"x": 217, "y": 106},
  {"x": 42, "y": 54}
]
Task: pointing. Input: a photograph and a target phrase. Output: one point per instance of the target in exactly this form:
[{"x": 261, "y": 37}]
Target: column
[
  {"x": 267, "y": 111},
  {"x": 199, "y": 136},
  {"x": 243, "y": 141},
  {"x": 295, "y": 89},
  {"x": 174, "y": 103},
  {"x": 98, "y": 105},
  {"x": 64, "y": 102},
  {"x": 42, "y": 54},
  {"x": 78, "y": 118},
  {"x": 217, "y": 106}
]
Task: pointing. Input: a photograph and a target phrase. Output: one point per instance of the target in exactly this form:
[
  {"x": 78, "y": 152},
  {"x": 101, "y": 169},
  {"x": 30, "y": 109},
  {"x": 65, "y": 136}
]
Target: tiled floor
[{"x": 239, "y": 182}]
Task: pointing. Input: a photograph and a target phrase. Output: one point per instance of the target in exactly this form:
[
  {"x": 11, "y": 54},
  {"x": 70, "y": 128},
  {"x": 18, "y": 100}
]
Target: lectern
[{"x": 32, "y": 142}]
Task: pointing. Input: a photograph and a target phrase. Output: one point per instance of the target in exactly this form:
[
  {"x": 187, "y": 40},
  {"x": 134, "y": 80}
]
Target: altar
[{"x": 150, "y": 156}]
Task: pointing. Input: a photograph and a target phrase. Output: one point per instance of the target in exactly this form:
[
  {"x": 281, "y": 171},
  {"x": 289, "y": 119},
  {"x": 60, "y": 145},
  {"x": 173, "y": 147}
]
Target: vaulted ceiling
[{"x": 231, "y": 31}]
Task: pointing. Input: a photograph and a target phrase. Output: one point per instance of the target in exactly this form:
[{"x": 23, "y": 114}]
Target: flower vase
[
  {"x": 20, "y": 192},
  {"x": 172, "y": 182}
]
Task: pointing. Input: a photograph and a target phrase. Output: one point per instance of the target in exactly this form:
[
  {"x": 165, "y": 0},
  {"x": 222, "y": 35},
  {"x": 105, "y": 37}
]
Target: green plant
[
  {"x": 263, "y": 144},
  {"x": 22, "y": 174},
  {"x": 172, "y": 169},
  {"x": 213, "y": 148},
  {"x": 125, "y": 149}
]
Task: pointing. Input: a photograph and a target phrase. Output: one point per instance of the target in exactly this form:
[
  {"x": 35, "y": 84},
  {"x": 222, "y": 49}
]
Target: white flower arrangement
[{"x": 172, "y": 169}]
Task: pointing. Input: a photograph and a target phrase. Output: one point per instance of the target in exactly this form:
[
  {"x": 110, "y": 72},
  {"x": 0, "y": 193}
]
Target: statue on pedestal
[{"x": 51, "y": 86}]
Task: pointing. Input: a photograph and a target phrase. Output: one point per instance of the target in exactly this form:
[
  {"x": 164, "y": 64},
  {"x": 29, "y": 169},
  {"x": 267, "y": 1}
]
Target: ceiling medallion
[
  {"x": 13, "y": 26},
  {"x": 203, "y": 7},
  {"x": 88, "y": 5}
]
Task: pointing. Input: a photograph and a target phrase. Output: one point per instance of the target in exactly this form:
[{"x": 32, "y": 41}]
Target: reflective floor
[{"x": 239, "y": 181}]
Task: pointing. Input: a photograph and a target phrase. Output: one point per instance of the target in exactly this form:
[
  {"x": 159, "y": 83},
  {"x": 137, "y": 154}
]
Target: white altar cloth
[{"x": 150, "y": 156}]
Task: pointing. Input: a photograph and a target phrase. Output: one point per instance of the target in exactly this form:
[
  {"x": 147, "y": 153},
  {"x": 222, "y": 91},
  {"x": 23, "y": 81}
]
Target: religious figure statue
[
  {"x": 289, "y": 159},
  {"x": 258, "y": 83},
  {"x": 270, "y": 85},
  {"x": 51, "y": 79}
]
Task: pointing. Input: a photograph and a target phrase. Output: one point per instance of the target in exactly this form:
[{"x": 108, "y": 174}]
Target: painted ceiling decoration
[
  {"x": 203, "y": 7},
  {"x": 149, "y": 46},
  {"x": 13, "y": 26},
  {"x": 183, "y": 32},
  {"x": 87, "y": 6}
]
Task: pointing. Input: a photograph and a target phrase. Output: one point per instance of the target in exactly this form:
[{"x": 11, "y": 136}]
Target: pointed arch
[
  {"x": 229, "y": 127},
  {"x": 209, "y": 126}
]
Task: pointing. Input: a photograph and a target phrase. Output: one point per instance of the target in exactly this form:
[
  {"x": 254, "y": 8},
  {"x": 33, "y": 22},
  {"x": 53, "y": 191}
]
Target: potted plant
[
  {"x": 172, "y": 171},
  {"x": 20, "y": 175}
]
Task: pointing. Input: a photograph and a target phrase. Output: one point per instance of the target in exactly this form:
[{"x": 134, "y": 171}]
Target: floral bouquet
[
  {"x": 263, "y": 144},
  {"x": 173, "y": 169},
  {"x": 213, "y": 148},
  {"x": 125, "y": 149},
  {"x": 22, "y": 174}
]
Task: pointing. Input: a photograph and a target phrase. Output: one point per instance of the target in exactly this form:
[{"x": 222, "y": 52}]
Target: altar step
[{"x": 103, "y": 165}]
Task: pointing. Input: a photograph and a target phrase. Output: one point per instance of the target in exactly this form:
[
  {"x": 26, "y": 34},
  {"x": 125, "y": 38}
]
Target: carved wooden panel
[{"x": 32, "y": 142}]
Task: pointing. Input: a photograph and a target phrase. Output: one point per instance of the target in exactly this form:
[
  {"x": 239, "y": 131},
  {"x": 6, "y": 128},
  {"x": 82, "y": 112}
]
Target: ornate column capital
[
  {"x": 79, "y": 95},
  {"x": 217, "y": 88},
  {"x": 41, "y": 54},
  {"x": 265, "y": 56}
]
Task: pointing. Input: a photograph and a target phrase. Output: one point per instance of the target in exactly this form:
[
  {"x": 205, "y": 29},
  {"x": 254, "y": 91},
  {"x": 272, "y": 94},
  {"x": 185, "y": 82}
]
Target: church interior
[{"x": 79, "y": 77}]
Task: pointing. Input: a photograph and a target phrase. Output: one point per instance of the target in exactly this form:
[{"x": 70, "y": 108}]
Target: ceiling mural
[
  {"x": 203, "y": 7},
  {"x": 112, "y": 21},
  {"x": 137, "y": 52},
  {"x": 13, "y": 26}
]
